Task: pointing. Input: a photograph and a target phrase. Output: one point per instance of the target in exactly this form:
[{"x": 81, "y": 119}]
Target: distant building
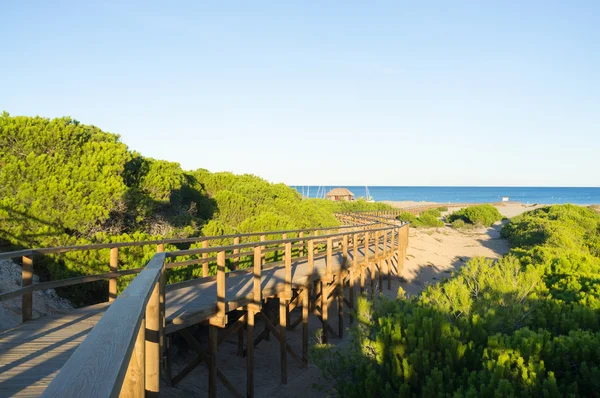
[
  {"x": 340, "y": 194},
  {"x": 505, "y": 198}
]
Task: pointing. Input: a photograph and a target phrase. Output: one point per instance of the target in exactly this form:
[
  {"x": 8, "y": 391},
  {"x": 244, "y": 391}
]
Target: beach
[{"x": 507, "y": 209}]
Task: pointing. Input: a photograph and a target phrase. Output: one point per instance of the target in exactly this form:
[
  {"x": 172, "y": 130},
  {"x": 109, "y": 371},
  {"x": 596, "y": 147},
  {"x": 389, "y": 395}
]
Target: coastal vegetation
[
  {"x": 527, "y": 324},
  {"x": 481, "y": 215},
  {"x": 66, "y": 183},
  {"x": 427, "y": 219}
]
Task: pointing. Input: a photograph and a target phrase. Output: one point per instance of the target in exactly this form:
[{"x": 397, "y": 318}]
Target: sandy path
[{"x": 434, "y": 253}]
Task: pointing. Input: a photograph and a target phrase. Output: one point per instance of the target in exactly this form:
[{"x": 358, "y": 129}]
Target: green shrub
[
  {"x": 428, "y": 220},
  {"x": 458, "y": 223},
  {"x": 432, "y": 212},
  {"x": 485, "y": 215},
  {"x": 525, "y": 325},
  {"x": 65, "y": 183},
  {"x": 408, "y": 217},
  {"x": 442, "y": 208}
]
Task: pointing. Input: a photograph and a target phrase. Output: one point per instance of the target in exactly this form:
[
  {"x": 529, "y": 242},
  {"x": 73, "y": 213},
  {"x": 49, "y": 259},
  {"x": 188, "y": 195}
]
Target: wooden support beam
[
  {"x": 213, "y": 371},
  {"x": 282, "y": 338},
  {"x": 153, "y": 321},
  {"x": 340, "y": 297},
  {"x": 169, "y": 361},
  {"x": 212, "y": 360},
  {"x": 240, "y": 341},
  {"x": 114, "y": 267},
  {"x": 231, "y": 330},
  {"x": 26, "y": 280},
  {"x": 275, "y": 332},
  {"x": 324, "y": 312},
  {"x": 305, "y": 304},
  {"x": 250, "y": 353}
]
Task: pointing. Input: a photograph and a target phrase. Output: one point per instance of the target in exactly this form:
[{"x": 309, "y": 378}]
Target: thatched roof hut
[{"x": 339, "y": 194}]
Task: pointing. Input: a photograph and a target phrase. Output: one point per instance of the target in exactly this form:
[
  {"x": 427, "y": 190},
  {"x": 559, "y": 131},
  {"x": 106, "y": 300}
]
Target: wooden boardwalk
[{"x": 32, "y": 354}]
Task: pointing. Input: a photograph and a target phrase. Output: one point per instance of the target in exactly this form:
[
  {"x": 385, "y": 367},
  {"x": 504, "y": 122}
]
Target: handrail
[
  {"x": 28, "y": 287},
  {"x": 109, "y": 275},
  {"x": 99, "y": 365},
  {"x": 97, "y": 246}
]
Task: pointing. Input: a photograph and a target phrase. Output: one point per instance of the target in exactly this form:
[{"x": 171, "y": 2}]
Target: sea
[{"x": 526, "y": 195}]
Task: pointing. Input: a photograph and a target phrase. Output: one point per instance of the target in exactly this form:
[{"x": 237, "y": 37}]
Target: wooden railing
[
  {"x": 121, "y": 355},
  {"x": 27, "y": 259}
]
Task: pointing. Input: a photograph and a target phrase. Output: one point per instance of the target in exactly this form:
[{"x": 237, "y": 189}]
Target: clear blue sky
[{"x": 323, "y": 92}]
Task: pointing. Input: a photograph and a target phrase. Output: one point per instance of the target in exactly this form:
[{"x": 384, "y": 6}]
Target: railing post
[
  {"x": 305, "y": 302},
  {"x": 212, "y": 358},
  {"x": 263, "y": 252},
  {"x": 390, "y": 259},
  {"x": 288, "y": 270},
  {"x": 160, "y": 248},
  {"x": 363, "y": 270},
  {"x": 352, "y": 275},
  {"x": 114, "y": 267},
  {"x": 236, "y": 254},
  {"x": 153, "y": 342},
  {"x": 27, "y": 280},
  {"x": 205, "y": 257},
  {"x": 301, "y": 248},
  {"x": 257, "y": 289},
  {"x": 329, "y": 256},
  {"x": 135, "y": 379},
  {"x": 399, "y": 251},
  {"x": 221, "y": 310}
]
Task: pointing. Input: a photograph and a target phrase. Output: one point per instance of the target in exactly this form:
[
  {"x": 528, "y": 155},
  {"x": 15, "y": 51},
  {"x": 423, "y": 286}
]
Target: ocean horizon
[{"x": 462, "y": 194}]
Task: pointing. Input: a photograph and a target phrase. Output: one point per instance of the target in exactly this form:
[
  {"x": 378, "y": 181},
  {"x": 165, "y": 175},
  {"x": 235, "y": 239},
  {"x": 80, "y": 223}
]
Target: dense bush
[
  {"x": 427, "y": 219},
  {"x": 442, "y": 208},
  {"x": 407, "y": 217},
  {"x": 484, "y": 215},
  {"x": 458, "y": 224},
  {"x": 527, "y": 325},
  {"x": 66, "y": 183}
]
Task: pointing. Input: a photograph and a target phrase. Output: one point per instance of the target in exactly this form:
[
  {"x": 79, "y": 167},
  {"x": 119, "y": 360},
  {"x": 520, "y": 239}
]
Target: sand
[{"x": 509, "y": 209}]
